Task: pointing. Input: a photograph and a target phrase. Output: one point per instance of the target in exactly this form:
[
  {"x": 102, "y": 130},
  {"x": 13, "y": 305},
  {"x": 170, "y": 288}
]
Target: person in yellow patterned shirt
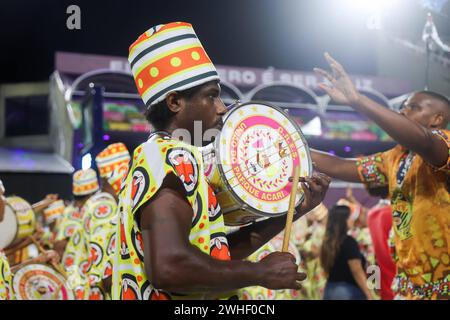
[
  {"x": 7, "y": 272},
  {"x": 70, "y": 240},
  {"x": 417, "y": 174},
  {"x": 101, "y": 218},
  {"x": 171, "y": 238}
]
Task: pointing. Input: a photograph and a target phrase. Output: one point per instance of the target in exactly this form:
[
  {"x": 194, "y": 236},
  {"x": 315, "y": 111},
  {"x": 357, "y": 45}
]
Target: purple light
[
  {"x": 105, "y": 137},
  {"x": 332, "y": 152},
  {"x": 80, "y": 145},
  {"x": 347, "y": 148}
]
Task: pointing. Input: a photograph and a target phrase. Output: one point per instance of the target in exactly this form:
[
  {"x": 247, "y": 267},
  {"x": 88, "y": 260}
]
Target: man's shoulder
[
  {"x": 163, "y": 146},
  {"x": 100, "y": 199}
]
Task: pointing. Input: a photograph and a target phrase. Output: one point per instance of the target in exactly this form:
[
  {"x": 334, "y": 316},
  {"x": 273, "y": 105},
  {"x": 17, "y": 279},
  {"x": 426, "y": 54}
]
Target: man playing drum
[
  {"x": 100, "y": 218},
  {"x": 71, "y": 239},
  {"x": 169, "y": 246},
  {"x": 417, "y": 172},
  {"x": 6, "y": 288}
]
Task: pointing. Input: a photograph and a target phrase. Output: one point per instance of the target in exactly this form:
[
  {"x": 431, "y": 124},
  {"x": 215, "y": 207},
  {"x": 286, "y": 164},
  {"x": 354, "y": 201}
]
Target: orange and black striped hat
[{"x": 169, "y": 58}]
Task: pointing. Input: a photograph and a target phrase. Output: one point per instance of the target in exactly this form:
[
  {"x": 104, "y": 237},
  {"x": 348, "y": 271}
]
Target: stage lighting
[
  {"x": 86, "y": 161},
  {"x": 370, "y": 6}
]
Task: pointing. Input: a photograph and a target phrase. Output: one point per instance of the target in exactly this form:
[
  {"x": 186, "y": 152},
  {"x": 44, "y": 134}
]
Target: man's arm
[
  {"x": 172, "y": 263},
  {"x": 249, "y": 239},
  {"x": 406, "y": 132},
  {"x": 335, "y": 167},
  {"x": 50, "y": 256}
]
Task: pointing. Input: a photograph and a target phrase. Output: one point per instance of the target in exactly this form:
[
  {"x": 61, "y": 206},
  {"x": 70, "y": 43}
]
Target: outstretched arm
[
  {"x": 335, "y": 167},
  {"x": 407, "y": 133}
]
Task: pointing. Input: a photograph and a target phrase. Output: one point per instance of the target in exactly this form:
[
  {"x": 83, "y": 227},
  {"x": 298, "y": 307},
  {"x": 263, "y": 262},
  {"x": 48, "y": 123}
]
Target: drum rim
[
  {"x": 17, "y": 225},
  {"x": 221, "y": 171}
]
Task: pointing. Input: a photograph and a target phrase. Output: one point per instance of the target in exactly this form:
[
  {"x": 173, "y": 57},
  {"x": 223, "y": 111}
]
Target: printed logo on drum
[
  {"x": 138, "y": 243},
  {"x": 219, "y": 246},
  {"x": 96, "y": 253},
  {"x": 139, "y": 185},
  {"x": 213, "y": 205},
  {"x": 130, "y": 288},
  {"x": 185, "y": 165}
]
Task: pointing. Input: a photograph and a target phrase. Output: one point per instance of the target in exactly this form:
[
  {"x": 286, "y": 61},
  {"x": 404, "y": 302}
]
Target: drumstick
[
  {"x": 291, "y": 209},
  {"x": 42, "y": 250},
  {"x": 38, "y": 206}
]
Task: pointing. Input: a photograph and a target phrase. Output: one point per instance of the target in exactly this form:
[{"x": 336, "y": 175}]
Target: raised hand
[{"x": 341, "y": 90}]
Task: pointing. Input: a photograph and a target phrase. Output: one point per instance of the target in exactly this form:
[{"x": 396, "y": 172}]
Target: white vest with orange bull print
[{"x": 152, "y": 162}]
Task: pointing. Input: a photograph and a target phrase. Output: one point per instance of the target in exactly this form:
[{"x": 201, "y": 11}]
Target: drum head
[
  {"x": 8, "y": 228},
  {"x": 40, "y": 282},
  {"x": 26, "y": 219},
  {"x": 258, "y": 148}
]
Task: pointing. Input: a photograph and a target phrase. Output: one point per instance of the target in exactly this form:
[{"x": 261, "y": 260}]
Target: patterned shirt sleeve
[
  {"x": 148, "y": 173},
  {"x": 445, "y": 136},
  {"x": 372, "y": 170}
]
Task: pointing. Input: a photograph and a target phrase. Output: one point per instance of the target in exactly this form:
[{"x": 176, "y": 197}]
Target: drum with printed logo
[
  {"x": 19, "y": 221},
  {"x": 250, "y": 162},
  {"x": 41, "y": 282}
]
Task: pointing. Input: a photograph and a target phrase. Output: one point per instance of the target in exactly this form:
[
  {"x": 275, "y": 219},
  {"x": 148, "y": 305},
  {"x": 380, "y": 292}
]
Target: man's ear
[
  {"x": 437, "y": 120},
  {"x": 174, "y": 101}
]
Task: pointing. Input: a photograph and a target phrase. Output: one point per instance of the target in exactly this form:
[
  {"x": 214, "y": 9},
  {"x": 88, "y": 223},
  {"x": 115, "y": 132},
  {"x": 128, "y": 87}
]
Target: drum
[
  {"x": 251, "y": 160},
  {"x": 19, "y": 221},
  {"x": 40, "y": 282}
]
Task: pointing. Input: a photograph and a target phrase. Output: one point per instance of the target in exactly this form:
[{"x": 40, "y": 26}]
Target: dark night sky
[{"x": 285, "y": 34}]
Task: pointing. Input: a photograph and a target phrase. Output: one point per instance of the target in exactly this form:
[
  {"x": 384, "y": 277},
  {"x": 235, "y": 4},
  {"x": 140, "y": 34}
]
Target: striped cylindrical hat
[
  {"x": 54, "y": 211},
  {"x": 169, "y": 58},
  {"x": 85, "y": 182},
  {"x": 112, "y": 164}
]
